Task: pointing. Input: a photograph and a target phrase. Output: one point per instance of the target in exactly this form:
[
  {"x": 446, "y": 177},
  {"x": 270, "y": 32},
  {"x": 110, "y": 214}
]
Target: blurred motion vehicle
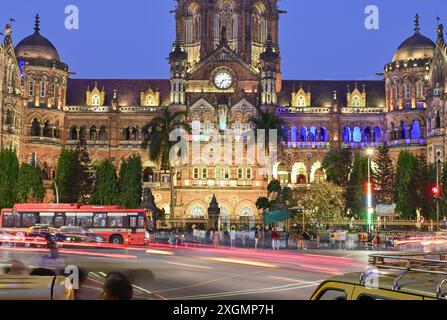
[
  {"x": 114, "y": 224},
  {"x": 80, "y": 234},
  {"x": 14, "y": 287},
  {"x": 6, "y": 238},
  {"x": 417, "y": 276}
]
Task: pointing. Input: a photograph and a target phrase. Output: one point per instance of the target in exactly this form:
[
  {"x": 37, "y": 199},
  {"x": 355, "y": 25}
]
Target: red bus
[{"x": 114, "y": 224}]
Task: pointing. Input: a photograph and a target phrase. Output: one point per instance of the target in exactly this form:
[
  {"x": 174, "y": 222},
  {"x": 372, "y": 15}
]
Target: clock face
[{"x": 223, "y": 80}]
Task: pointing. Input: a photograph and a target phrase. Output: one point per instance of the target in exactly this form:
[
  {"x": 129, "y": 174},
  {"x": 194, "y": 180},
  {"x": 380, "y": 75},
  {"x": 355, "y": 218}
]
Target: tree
[
  {"x": 266, "y": 120},
  {"x": 324, "y": 201},
  {"x": 406, "y": 194},
  {"x": 85, "y": 178},
  {"x": 106, "y": 184},
  {"x": 262, "y": 203},
  {"x": 67, "y": 176},
  {"x": 338, "y": 165},
  {"x": 384, "y": 176},
  {"x": 274, "y": 186},
  {"x": 30, "y": 184},
  {"x": 158, "y": 142},
  {"x": 9, "y": 170},
  {"x": 356, "y": 190},
  {"x": 424, "y": 180},
  {"x": 130, "y": 183}
]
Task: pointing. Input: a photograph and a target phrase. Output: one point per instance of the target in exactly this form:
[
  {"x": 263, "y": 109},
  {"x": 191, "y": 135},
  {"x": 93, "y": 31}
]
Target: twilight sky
[{"x": 319, "y": 39}]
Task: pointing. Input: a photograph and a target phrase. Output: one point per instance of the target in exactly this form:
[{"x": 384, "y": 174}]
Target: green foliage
[
  {"x": 129, "y": 183},
  {"x": 85, "y": 178},
  {"x": 106, "y": 184},
  {"x": 29, "y": 184},
  {"x": 9, "y": 170},
  {"x": 324, "y": 201},
  {"x": 356, "y": 191},
  {"x": 68, "y": 176},
  {"x": 274, "y": 186},
  {"x": 266, "y": 120},
  {"x": 424, "y": 180},
  {"x": 338, "y": 165},
  {"x": 262, "y": 203},
  {"x": 384, "y": 176},
  {"x": 406, "y": 191}
]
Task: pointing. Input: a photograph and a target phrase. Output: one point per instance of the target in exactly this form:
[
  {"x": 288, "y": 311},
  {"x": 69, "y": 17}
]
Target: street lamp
[{"x": 370, "y": 209}]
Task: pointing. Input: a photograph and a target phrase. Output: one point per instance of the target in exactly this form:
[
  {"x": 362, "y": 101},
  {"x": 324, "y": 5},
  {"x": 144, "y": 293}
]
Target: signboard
[{"x": 385, "y": 210}]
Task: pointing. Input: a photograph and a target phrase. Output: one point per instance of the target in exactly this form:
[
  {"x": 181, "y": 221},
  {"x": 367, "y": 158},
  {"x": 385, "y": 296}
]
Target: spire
[
  {"x": 37, "y": 24},
  {"x": 269, "y": 54},
  {"x": 417, "y": 27}
]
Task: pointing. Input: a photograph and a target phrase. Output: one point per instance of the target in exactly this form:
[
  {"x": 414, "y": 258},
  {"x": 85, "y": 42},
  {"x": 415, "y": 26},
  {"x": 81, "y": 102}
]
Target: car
[
  {"x": 6, "y": 238},
  {"x": 418, "y": 276},
  {"x": 41, "y": 233},
  {"x": 81, "y": 234}
]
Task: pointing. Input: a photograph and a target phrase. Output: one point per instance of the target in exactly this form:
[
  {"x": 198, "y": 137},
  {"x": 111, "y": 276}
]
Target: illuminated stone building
[{"x": 224, "y": 63}]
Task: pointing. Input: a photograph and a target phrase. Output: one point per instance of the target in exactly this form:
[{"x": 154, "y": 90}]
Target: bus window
[
  {"x": 84, "y": 221},
  {"x": 71, "y": 221},
  {"x": 140, "y": 222},
  {"x": 8, "y": 220},
  {"x": 116, "y": 222},
  {"x": 29, "y": 219},
  {"x": 46, "y": 219},
  {"x": 132, "y": 222},
  {"x": 59, "y": 220},
  {"x": 99, "y": 220}
]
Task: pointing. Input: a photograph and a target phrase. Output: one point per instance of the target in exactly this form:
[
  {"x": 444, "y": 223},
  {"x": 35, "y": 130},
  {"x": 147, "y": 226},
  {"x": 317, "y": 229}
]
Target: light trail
[
  {"x": 244, "y": 262},
  {"x": 187, "y": 265},
  {"x": 161, "y": 252}
]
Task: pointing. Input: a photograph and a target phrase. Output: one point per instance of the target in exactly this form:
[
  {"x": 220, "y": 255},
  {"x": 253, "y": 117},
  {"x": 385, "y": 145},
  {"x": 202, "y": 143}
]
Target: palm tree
[
  {"x": 157, "y": 141},
  {"x": 266, "y": 120}
]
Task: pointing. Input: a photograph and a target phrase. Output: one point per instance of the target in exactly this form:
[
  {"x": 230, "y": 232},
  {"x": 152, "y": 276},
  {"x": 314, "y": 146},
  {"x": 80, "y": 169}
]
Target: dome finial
[
  {"x": 37, "y": 24},
  {"x": 417, "y": 27}
]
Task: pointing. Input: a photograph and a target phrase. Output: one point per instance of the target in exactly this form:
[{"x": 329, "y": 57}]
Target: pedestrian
[
  {"x": 211, "y": 236},
  {"x": 257, "y": 237},
  {"x": 332, "y": 240},
  {"x": 216, "y": 238},
  {"x": 232, "y": 237},
  {"x": 275, "y": 237},
  {"x": 117, "y": 287}
]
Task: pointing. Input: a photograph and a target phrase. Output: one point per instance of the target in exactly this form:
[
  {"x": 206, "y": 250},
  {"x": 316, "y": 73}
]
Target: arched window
[
  {"x": 416, "y": 130},
  {"x": 407, "y": 89},
  {"x": 196, "y": 173},
  {"x": 96, "y": 100},
  {"x": 73, "y": 134},
  {"x": 135, "y": 134},
  {"x": 246, "y": 212},
  {"x": 367, "y": 135},
  {"x": 438, "y": 120},
  {"x": 103, "y": 133},
  {"x": 204, "y": 173},
  {"x": 57, "y": 130},
  {"x": 377, "y": 134},
  {"x": 403, "y": 131},
  {"x": 83, "y": 133},
  {"x": 357, "y": 135},
  {"x": 198, "y": 212},
  {"x": 9, "y": 117},
  {"x": 240, "y": 173},
  {"x": 259, "y": 23},
  {"x": 313, "y": 134},
  {"x": 420, "y": 89},
  {"x": 35, "y": 128},
  {"x": 249, "y": 174},
  {"x": 125, "y": 135},
  {"x": 93, "y": 133},
  {"x": 294, "y": 134},
  {"x": 303, "y": 134},
  {"x": 347, "y": 134},
  {"x": 226, "y": 17},
  {"x": 356, "y": 101},
  {"x": 47, "y": 130},
  {"x": 323, "y": 135},
  {"x": 319, "y": 175},
  {"x": 31, "y": 89},
  {"x": 43, "y": 89},
  {"x": 222, "y": 172}
]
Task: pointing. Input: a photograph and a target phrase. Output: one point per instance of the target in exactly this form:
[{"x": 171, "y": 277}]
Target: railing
[
  {"x": 42, "y": 140},
  {"x": 306, "y": 145},
  {"x": 157, "y": 185},
  {"x": 362, "y": 110},
  {"x": 303, "y": 110}
]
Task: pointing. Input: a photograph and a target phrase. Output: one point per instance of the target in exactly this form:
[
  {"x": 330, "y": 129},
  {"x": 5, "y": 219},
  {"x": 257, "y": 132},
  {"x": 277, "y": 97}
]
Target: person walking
[
  {"x": 275, "y": 237},
  {"x": 232, "y": 237},
  {"x": 257, "y": 238},
  {"x": 216, "y": 238}
]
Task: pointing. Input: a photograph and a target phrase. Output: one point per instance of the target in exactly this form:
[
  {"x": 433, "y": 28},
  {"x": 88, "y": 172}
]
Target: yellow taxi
[
  {"x": 391, "y": 277},
  {"x": 19, "y": 287}
]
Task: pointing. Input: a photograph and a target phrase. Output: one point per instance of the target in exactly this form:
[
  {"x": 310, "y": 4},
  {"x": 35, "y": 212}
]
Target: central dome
[
  {"x": 37, "y": 46},
  {"x": 415, "y": 47}
]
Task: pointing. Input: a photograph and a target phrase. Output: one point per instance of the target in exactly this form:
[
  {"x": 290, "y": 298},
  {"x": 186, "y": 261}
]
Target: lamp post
[{"x": 370, "y": 209}]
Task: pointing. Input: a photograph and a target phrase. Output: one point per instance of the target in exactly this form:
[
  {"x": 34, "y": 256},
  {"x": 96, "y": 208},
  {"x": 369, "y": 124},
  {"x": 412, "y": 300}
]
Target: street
[{"x": 167, "y": 273}]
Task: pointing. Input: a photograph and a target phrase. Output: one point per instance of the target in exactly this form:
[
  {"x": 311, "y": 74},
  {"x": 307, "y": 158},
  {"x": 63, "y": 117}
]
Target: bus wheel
[{"x": 116, "y": 239}]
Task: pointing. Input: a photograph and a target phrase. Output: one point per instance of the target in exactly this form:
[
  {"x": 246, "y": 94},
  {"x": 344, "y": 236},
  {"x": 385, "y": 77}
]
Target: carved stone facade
[{"x": 224, "y": 64}]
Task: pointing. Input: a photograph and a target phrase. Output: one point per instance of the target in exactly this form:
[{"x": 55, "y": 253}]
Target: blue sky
[{"x": 319, "y": 39}]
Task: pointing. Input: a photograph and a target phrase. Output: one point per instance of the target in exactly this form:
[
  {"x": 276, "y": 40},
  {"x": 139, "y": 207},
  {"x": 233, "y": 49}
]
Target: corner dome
[
  {"x": 36, "y": 46},
  {"x": 415, "y": 47}
]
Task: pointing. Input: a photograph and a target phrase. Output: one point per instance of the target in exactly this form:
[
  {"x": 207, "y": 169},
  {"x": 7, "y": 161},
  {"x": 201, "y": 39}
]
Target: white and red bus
[{"x": 116, "y": 225}]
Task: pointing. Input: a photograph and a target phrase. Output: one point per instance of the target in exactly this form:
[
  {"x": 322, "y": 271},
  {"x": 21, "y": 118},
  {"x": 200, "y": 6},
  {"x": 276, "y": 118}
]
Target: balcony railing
[
  {"x": 306, "y": 145},
  {"x": 42, "y": 140}
]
